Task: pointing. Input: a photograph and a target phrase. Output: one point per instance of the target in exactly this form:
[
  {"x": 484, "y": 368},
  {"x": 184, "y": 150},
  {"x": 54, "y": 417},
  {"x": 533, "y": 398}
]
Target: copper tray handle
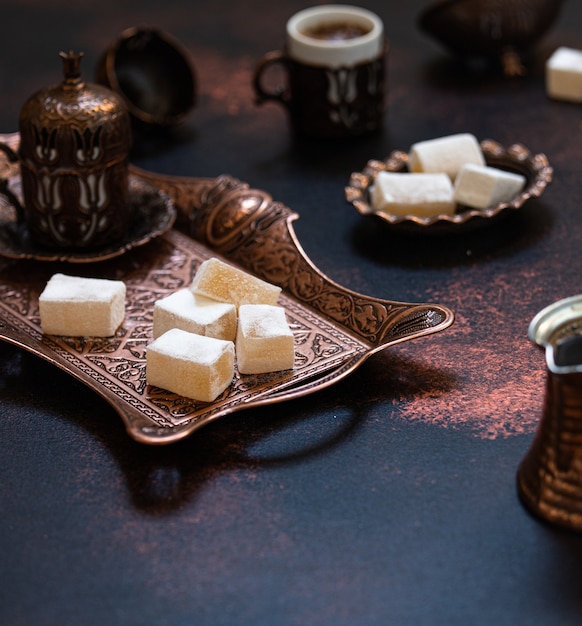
[{"x": 247, "y": 227}]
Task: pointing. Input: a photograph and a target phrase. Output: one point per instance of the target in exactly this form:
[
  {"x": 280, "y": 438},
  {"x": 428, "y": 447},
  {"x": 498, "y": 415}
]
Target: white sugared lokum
[
  {"x": 220, "y": 281},
  {"x": 264, "y": 340},
  {"x": 74, "y": 306},
  {"x": 403, "y": 193},
  {"x": 482, "y": 187},
  {"x": 196, "y": 314},
  {"x": 564, "y": 75},
  {"x": 445, "y": 154},
  {"x": 191, "y": 365}
]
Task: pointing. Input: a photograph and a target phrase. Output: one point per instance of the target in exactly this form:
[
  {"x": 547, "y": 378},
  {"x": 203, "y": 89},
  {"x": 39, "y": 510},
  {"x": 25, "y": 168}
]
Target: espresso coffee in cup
[
  {"x": 336, "y": 31},
  {"x": 334, "y": 62}
]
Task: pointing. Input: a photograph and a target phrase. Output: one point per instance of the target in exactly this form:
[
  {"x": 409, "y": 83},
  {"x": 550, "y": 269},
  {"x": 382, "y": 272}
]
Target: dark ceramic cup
[{"x": 334, "y": 72}]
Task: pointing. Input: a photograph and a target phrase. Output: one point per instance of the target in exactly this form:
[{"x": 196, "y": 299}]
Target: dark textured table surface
[{"x": 388, "y": 498}]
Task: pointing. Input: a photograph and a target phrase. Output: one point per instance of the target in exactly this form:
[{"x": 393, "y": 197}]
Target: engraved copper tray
[{"x": 335, "y": 329}]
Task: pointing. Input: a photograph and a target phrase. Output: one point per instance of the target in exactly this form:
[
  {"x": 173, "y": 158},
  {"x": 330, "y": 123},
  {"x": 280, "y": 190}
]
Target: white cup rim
[{"x": 334, "y": 53}]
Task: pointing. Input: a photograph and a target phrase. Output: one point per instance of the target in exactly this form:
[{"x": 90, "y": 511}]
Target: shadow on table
[
  {"x": 559, "y": 573},
  {"x": 413, "y": 248},
  {"x": 162, "y": 478}
]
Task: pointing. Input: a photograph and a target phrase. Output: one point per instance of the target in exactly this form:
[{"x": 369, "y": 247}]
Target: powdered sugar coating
[
  {"x": 190, "y": 365},
  {"x": 195, "y": 313},
  {"x": 74, "y": 306},
  {"x": 264, "y": 340}
]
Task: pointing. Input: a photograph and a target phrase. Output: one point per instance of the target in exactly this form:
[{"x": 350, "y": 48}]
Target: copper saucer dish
[
  {"x": 152, "y": 213},
  {"x": 515, "y": 158}
]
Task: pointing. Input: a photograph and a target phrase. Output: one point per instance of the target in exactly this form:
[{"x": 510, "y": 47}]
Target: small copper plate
[
  {"x": 517, "y": 158},
  {"x": 152, "y": 213},
  {"x": 335, "y": 329}
]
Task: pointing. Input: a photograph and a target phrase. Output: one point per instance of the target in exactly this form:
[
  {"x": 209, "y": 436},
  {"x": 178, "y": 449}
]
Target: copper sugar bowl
[{"x": 75, "y": 139}]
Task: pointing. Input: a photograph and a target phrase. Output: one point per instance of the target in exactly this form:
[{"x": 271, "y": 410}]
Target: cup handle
[
  {"x": 279, "y": 94},
  {"x": 5, "y": 191}
]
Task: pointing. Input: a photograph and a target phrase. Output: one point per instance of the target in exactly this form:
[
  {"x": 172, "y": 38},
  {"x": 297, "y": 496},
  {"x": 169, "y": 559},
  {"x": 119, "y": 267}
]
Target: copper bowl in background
[{"x": 152, "y": 72}]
